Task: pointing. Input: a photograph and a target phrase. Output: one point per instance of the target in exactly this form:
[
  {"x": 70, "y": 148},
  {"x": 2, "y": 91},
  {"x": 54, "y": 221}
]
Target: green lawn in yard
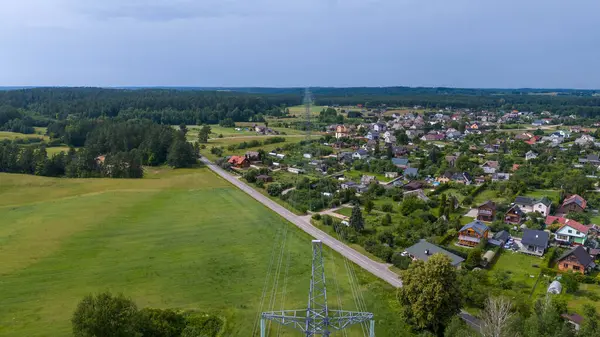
[
  {"x": 355, "y": 175},
  {"x": 300, "y": 110},
  {"x": 175, "y": 239},
  {"x": 520, "y": 266},
  {"x": 489, "y": 195},
  {"x": 578, "y": 300},
  {"x": 595, "y": 219},
  {"x": 553, "y": 195},
  {"x": 346, "y": 211}
]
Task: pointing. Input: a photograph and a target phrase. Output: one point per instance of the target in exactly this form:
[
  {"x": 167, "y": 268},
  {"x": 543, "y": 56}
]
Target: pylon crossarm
[
  {"x": 340, "y": 319},
  {"x": 293, "y": 318}
]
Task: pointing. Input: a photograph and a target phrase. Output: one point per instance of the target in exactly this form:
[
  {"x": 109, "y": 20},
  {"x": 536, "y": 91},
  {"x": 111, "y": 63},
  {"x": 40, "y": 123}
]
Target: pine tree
[{"x": 356, "y": 220}]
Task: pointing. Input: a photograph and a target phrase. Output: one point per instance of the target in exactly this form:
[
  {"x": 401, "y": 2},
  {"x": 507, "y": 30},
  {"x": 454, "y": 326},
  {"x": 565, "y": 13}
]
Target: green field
[
  {"x": 175, "y": 239},
  {"x": 224, "y": 142},
  {"x": 15, "y": 135}
]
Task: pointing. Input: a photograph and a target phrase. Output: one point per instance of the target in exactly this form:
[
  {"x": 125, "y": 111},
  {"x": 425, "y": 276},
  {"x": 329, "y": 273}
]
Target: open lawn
[
  {"x": 175, "y": 239},
  {"x": 520, "y": 267},
  {"x": 15, "y": 135},
  {"x": 553, "y": 195},
  {"x": 56, "y": 149},
  {"x": 300, "y": 110},
  {"x": 246, "y": 131},
  {"x": 225, "y": 142}
]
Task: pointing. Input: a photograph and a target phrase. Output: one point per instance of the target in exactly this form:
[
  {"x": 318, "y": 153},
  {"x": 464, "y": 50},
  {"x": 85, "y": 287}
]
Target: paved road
[{"x": 378, "y": 269}]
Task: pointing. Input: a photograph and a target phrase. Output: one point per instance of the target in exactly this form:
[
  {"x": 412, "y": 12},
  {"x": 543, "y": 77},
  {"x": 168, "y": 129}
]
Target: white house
[
  {"x": 530, "y": 205},
  {"x": 295, "y": 170},
  {"x": 571, "y": 232},
  {"x": 360, "y": 154},
  {"x": 530, "y": 155},
  {"x": 584, "y": 140}
]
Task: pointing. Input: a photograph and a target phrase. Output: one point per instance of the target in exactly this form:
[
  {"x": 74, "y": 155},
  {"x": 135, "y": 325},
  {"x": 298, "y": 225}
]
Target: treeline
[
  {"x": 161, "y": 106},
  {"x": 109, "y": 315},
  {"x": 116, "y": 149}
]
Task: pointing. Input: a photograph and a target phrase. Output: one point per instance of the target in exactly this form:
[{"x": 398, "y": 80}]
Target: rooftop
[{"x": 423, "y": 250}]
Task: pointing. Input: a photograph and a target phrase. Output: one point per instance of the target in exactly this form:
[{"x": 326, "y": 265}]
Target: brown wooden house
[
  {"x": 514, "y": 215},
  {"x": 574, "y": 203},
  {"x": 472, "y": 233},
  {"x": 486, "y": 211},
  {"x": 577, "y": 260}
]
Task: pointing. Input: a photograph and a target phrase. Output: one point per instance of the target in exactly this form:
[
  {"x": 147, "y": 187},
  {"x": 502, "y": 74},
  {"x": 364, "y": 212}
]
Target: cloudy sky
[{"x": 458, "y": 43}]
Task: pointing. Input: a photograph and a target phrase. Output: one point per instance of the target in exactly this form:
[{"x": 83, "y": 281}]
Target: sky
[{"x": 297, "y": 43}]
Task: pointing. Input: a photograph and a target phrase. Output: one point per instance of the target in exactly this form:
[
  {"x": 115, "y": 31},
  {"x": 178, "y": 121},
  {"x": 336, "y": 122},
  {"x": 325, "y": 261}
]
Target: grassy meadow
[{"x": 175, "y": 239}]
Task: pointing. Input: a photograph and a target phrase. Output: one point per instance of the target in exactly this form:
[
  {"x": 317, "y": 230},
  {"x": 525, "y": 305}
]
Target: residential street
[{"x": 378, "y": 269}]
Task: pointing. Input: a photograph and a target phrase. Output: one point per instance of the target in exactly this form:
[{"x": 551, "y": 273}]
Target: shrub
[
  {"x": 387, "y": 208},
  {"x": 316, "y": 216},
  {"x": 161, "y": 322},
  {"x": 274, "y": 189},
  {"x": 105, "y": 315},
  {"x": 400, "y": 261}
]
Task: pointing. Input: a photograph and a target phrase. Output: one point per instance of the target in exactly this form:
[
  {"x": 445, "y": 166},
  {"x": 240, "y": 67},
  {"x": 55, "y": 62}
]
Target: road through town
[{"x": 378, "y": 269}]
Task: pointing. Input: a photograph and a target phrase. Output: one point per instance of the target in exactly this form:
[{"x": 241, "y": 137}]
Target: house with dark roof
[
  {"x": 413, "y": 185},
  {"x": 571, "y": 231},
  {"x": 423, "y": 250},
  {"x": 472, "y": 233},
  {"x": 411, "y": 172},
  {"x": 530, "y": 205},
  {"x": 534, "y": 241},
  {"x": 574, "y": 203},
  {"x": 400, "y": 162},
  {"x": 577, "y": 260},
  {"x": 500, "y": 238},
  {"x": 486, "y": 211},
  {"x": 360, "y": 154},
  {"x": 574, "y": 319},
  {"x": 590, "y": 159}
]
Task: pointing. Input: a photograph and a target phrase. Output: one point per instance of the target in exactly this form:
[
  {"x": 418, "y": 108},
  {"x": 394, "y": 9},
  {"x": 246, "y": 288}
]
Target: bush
[
  {"x": 327, "y": 220},
  {"x": 105, "y": 315},
  {"x": 274, "y": 189},
  {"x": 387, "y": 208},
  {"x": 161, "y": 322},
  {"x": 316, "y": 216},
  {"x": 401, "y": 262}
]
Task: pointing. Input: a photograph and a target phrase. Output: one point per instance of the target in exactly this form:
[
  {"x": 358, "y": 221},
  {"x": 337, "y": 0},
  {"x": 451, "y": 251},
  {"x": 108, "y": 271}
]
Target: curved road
[{"x": 380, "y": 270}]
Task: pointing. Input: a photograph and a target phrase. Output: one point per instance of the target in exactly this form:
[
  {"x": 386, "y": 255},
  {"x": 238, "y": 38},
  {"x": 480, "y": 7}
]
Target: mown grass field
[
  {"x": 225, "y": 142},
  {"x": 15, "y": 135},
  {"x": 175, "y": 239}
]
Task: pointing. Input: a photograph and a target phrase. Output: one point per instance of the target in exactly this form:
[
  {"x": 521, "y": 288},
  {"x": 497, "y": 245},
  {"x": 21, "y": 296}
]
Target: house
[
  {"x": 538, "y": 122},
  {"x": 530, "y": 205},
  {"x": 417, "y": 194},
  {"x": 500, "y": 238},
  {"x": 524, "y": 136},
  {"x": 360, "y": 154},
  {"x": 264, "y": 178},
  {"x": 574, "y": 319},
  {"x": 400, "y": 162},
  {"x": 379, "y": 127},
  {"x": 486, "y": 211},
  {"x": 348, "y": 185},
  {"x": 585, "y": 140},
  {"x": 577, "y": 260},
  {"x": 295, "y": 170},
  {"x": 514, "y": 215},
  {"x": 390, "y": 139},
  {"x": 366, "y": 180},
  {"x": 533, "y": 140},
  {"x": 590, "y": 159},
  {"x": 571, "y": 231},
  {"x": 239, "y": 161},
  {"x": 515, "y": 167},
  {"x": 341, "y": 131},
  {"x": 530, "y": 155},
  {"x": 574, "y": 203},
  {"x": 423, "y": 250},
  {"x": 413, "y": 185},
  {"x": 253, "y": 155},
  {"x": 411, "y": 172},
  {"x": 462, "y": 178},
  {"x": 472, "y": 233},
  {"x": 372, "y": 135},
  {"x": 500, "y": 177},
  {"x": 490, "y": 167},
  {"x": 391, "y": 174},
  {"x": 534, "y": 241}
]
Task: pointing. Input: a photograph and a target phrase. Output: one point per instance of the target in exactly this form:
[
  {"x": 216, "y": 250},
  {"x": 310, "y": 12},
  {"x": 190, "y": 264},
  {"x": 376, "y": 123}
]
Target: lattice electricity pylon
[
  {"x": 307, "y": 112},
  {"x": 317, "y": 319}
]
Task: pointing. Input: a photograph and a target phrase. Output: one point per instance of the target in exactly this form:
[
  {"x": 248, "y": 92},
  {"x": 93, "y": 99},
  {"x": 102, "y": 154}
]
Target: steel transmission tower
[
  {"x": 307, "y": 112},
  {"x": 317, "y": 319}
]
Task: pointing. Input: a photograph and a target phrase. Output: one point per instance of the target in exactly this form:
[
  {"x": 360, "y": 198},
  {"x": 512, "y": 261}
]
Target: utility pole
[
  {"x": 317, "y": 319},
  {"x": 307, "y": 112}
]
